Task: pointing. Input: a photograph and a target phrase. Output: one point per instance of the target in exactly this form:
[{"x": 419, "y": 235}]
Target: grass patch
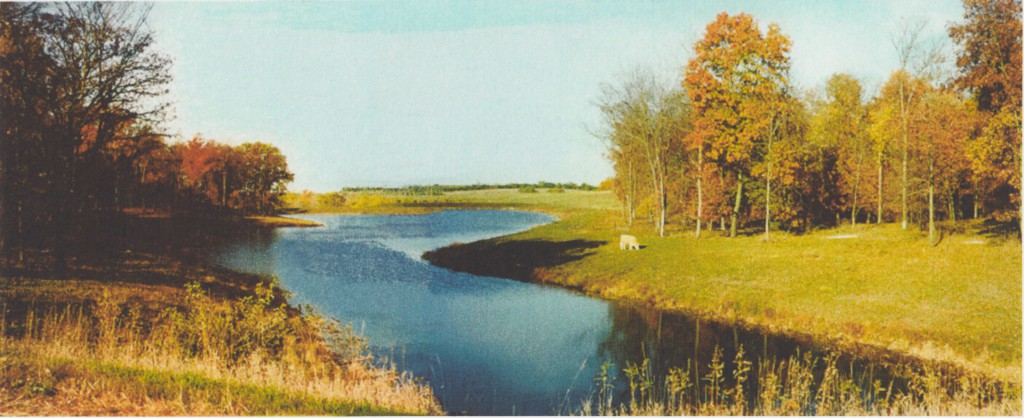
[
  {"x": 66, "y": 386},
  {"x": 281, "y": 221}
]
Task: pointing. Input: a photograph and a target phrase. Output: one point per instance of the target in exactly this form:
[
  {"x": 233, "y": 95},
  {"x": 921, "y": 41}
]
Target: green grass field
[
  {"x": 559, "y": 204},
  {"x": 866, "y": 288}
]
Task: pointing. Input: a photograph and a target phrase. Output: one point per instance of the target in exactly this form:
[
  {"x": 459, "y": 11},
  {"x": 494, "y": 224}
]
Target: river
[{"x": 487, "y": 346}]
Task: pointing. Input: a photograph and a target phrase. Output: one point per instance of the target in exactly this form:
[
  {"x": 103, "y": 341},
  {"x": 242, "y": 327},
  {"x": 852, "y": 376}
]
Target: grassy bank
[
  {"x": 861, "y": 289},
  {"x": 281, "y": 222},
  {"x": 138, "y": 334}
]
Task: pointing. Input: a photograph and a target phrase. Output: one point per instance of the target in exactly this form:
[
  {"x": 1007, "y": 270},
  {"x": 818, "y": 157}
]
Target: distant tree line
[
  {"x": 82, "y": 91},
  {"x": 438, "y": 189},
  {"x": 735, "y": 143}
]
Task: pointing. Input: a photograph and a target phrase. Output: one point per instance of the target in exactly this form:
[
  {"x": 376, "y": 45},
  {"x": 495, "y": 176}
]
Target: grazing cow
[{"x": 628, "y": 241}]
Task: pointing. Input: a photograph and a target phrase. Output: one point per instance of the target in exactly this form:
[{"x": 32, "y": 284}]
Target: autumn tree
[
  {"x": 264, "y": 173},
  {"x": 736, "y": 80},
  {"x": 840, "y": 122},
  {"x": 24, "y": 124},
  {"x": 989, "y": 60},
  {"x": 209, "y": 169},
  {"x": 75, "y": 77},
  {"x": 917, "y": 60},
  {"x": 945, "y": 125},
  {"x": 643, "y": 122}
]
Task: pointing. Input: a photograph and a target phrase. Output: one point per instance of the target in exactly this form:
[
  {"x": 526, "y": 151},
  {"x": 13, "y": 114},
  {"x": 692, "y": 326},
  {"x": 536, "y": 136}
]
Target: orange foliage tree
[
  {"x": 989, "y": 59},
  {"x": 736, "y": 81}
]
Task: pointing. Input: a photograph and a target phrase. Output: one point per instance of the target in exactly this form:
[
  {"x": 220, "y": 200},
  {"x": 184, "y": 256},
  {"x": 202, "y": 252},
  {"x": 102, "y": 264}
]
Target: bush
[{"x": 528, "y": 189}]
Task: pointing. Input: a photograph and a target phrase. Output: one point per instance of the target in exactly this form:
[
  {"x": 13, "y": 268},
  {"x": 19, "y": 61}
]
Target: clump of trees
[
  {"x": 734, "y": 140},
  {"x": 82, "y": 90},
  {"x": 249, "y": 177}
]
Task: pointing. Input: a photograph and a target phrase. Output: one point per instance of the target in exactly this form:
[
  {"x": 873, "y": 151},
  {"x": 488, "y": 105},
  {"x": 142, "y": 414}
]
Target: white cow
[{"x": 628, "y": 242}]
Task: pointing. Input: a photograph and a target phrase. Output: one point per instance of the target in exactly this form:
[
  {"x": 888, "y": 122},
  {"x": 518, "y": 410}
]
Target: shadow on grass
[
  {"x": 515, "y": 260},
  {"x": 992, "y": 228},
  {"x": 132, "y": 268}
]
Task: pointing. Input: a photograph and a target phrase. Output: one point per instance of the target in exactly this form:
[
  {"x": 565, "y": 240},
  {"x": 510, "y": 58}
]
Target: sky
[{"x": 395, "y": 93}]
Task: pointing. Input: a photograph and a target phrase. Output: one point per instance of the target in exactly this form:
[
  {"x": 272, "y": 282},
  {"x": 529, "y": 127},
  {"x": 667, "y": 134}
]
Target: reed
[{"x": 799, "y": 385}]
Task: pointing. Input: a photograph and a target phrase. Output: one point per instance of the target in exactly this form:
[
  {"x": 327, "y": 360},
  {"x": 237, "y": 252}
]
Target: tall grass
[
  {"x": 207, "y": 356},
  {"x": 800, "y": 385}
]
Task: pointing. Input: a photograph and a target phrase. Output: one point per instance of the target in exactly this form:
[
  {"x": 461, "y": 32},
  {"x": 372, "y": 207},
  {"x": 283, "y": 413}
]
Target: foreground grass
[
  {"x": 869, "y": 290},
  {"x": 799, "y": 385},
  {"x": 142, "y": 343}
]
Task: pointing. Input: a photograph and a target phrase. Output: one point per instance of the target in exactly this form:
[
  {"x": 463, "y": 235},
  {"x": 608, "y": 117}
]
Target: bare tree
[{"x": 645, "y": 122}]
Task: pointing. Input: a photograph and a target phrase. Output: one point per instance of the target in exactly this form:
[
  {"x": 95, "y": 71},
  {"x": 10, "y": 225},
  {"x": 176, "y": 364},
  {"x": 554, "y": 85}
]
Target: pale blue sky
[{"x": 457, "y": 92}]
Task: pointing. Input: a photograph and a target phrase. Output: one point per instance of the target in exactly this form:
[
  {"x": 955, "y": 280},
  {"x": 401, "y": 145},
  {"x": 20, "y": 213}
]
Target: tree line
[
  {"x": 735, "y": 142},
  {"x": 82, "y": 96},
  {"x": 440, "y": 189}
]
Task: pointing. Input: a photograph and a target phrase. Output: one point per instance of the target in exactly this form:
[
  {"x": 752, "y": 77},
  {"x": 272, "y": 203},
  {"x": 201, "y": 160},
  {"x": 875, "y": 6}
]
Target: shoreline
[{"x": 488, "y": 257}]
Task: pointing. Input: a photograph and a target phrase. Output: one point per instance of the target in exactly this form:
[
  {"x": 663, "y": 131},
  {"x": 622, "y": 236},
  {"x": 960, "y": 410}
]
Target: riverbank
[
  {"x": 138, "y": 333},
  {"x": 878, "y": 289}
]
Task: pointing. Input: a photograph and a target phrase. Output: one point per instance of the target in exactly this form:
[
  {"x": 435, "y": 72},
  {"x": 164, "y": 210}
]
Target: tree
[
  {"x": 80, "y": 81},
  {"x": 735, "y": 76},
  {"x": 882, "y": 129},
  {"x": 840, "y": 121},
  {"x": 989, "y": 59},
  {"x": 916, "y": 61},
  {"x": 947, "y": 123},
  {"x": 642, "y": 124},
  {"x": 24, "y": 89},
  {"x": 989, "y": 56},
  {"x": 264, "y": 173}
]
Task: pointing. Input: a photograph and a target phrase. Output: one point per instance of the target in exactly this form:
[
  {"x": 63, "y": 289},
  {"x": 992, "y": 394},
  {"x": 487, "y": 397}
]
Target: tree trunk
[
  {"x": 631, "y": 194},
  {"x": 905, "y": 127},
  {"x": 878, "y": 219},
  {"x": 768, "y": 191},
  {"x": 700, "y": 191},
  {"x": 736, "y": 206},
  {"x": 224, "y": 188},
  {"x": 657, "y": 192},
  {"x": 952, "y": 206},
  {"x": 629, "y": 210},
  {"x": 664, "y": 207},
  {"x": 904, "y": 201},
  {"x": 931, "y": 205},
  {"x": 853, "y": 209},
  {"x": 21, "y": 234}
]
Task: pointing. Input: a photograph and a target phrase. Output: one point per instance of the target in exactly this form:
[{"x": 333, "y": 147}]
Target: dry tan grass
[{"x": 213, "y": 357}]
